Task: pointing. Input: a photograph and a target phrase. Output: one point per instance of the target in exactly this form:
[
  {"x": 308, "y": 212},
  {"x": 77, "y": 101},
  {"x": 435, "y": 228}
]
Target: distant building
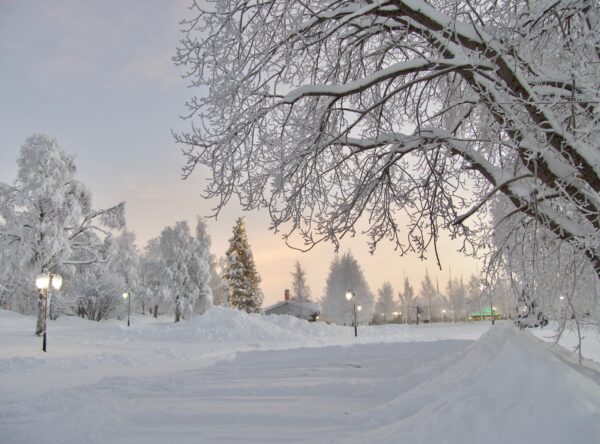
[
  {"x": 485, "y": 314},
  {"x": 290, "y": 306}
]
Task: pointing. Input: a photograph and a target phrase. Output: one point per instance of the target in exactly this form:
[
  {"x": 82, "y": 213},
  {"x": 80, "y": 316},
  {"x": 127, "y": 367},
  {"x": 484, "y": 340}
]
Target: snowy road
[{"x": 399, "y": 385}]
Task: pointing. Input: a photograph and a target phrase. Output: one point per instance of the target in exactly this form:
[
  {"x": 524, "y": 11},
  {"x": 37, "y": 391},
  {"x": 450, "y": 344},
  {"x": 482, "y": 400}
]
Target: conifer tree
[
  {"x": 407, "y": 300},
  {"x": 428, "y": 295},
  {"x": 240, "y": 272},
  {"x": 345, "y": 275},
  {"x": 385, "y": 305},
  {"x": 300, "y": 288}
]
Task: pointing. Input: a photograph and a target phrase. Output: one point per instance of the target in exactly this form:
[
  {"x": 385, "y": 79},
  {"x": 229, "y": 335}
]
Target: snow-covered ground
[{"x": 231, "y": 377}]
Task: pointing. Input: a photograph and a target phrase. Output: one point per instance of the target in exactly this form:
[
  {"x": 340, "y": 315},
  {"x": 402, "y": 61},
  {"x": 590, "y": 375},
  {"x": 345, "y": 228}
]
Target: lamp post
[
  {"x": 351, "y": 296},
  {"x": 443, "y": 316},
  {"x": 127, "y": 297},
  {"x": 43, "y": 282}
]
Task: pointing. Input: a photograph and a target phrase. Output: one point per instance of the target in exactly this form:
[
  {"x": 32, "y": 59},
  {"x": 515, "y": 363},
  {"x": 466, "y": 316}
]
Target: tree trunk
[
  {"x": 156, "y": 311},
  {"x": 177, "y": 310},
  {"x": 40, "y": 324}
]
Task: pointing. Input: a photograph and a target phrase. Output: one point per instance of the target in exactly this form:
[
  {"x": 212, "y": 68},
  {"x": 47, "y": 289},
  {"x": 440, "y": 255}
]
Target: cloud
[{"x": 106, "y": 44}]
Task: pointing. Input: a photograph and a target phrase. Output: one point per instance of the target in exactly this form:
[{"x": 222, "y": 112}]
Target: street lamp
[
  {"x": 127, "y": 297},
  {"x": 351, "y": 296},
  {"x": 443, "y": 316},
  {"x": 43, "y": 282}
]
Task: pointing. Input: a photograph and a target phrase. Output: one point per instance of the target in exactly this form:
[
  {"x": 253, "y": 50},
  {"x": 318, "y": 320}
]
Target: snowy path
[
  {"x": 247, "y": 384},
  {"x": 262, "y": 396}
]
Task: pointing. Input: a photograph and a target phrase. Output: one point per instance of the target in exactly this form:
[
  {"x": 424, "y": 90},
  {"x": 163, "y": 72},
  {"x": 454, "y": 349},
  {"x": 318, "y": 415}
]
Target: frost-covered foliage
[
  {"x": 300, "y": 290},
  {"x": 205, "y": 278},
  {"x": 408, "y": 301},
  {"x": 408, "y": 110},
  {"x": 240, "y": 272},
  {"x": 548, "y": 276},
  {"x": 151, "y": 290},
  {"x": 385, "y": 307},
  {"x": 346, "y": 275},
  {"x": 218, "y": 284},
  {"x": 429, "y": 299},
  {"x": 47, "y": 223},
  {"x": 97, "y": 293},
  {"x": 124, "y": 262},
  {"x": 178, "y": 270},
  {"x": 473, "y": 294},
  {"x": 455, "y": 294}
]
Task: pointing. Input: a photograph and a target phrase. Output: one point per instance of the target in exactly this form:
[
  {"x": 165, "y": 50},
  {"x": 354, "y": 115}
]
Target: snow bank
[
  {"x": 508, "y": 387},
  {"x": 79, "y": 344}
]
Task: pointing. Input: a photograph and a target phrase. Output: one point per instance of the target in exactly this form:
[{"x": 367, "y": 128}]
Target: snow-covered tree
[
  {"x": 428, "y": 297},
  {"x": 240, "y": 272},
  {"x": 97, "y": 293},
  {"x": 548, "y": 277},
  {"x": 346, "y": 275},
  {"x": 124, "y": 264},
  {"x": 474, "y": 301},
  {"x": 455, "y": 292},
  {"x": 385, "y": 305},
  {"x": 407, "y": 301},
  {"x": 151, "y": 290},
  {"x": 219, "y": 286},
  {"x": 184, "y": 271},
  {"x": 47, "y": 223},
  {"x": 300, "y": 289},
  {"x": 203, "y": 275},
  {"x": 323, "y": 111}
]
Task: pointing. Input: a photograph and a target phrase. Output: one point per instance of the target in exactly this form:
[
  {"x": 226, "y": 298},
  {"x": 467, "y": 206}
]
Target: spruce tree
[
  {"x": 345, "y": 275},
  {"x": 407, "y": 300},
  {"x": 300, "y": 288},
  {"x": 428, "y": 295},
  {"x": 240, "y": 272},
  {"x": 385, "y": 305}
]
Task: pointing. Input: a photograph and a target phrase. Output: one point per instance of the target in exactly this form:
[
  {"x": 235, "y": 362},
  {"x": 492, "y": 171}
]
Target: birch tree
[
  {"x": 326, "y": 111},
  {"x": 47, "y": 223},
  {"x": 124, "y": 264},
  {"x": 184, "y": 275}
]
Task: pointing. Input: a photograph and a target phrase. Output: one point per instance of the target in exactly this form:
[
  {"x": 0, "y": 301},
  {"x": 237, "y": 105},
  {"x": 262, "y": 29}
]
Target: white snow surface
[{"x": 230, "y": 377}]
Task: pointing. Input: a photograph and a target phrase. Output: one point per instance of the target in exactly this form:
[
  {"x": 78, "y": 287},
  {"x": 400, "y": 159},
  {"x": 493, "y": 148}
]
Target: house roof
[{"x": 307, "y": 305}]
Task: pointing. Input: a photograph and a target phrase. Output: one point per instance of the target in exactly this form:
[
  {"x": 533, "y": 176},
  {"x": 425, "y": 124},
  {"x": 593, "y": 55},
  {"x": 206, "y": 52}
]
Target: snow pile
[
  {"x": 508, "y": 387},
  {"x": 78, "y": 344}
]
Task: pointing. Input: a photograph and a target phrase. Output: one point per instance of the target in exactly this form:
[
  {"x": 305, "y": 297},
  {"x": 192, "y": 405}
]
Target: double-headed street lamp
[
  {"x": 43, "y": 282},
  {"x": 351, "y": 296},
  {"x": 127, "y": 297}
]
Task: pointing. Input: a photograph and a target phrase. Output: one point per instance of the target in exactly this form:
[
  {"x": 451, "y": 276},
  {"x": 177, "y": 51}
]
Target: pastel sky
[{"x": 97, "y": 76}]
